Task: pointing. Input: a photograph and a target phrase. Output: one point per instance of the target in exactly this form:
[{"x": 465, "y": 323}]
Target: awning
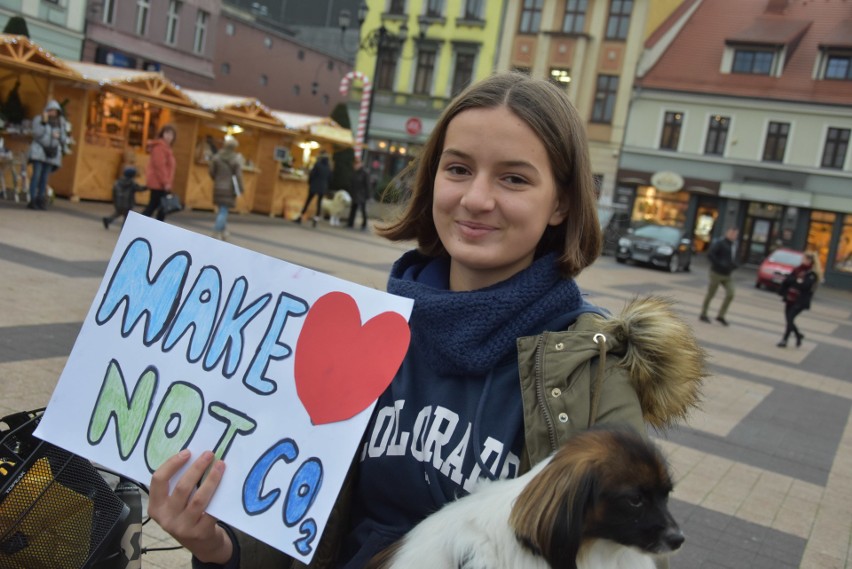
[
  {"x": 320, "y": 128},
  {"x": 766, "y": 193},
  {"x": 237, "y": 109}
]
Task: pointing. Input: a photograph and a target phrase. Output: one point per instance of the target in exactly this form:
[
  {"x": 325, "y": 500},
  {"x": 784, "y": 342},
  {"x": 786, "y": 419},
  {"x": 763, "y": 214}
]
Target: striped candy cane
[{"x": 365, "y": 105}]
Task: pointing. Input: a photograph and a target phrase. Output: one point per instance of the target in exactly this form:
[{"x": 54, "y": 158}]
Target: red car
[{"x": 775, "y": 268}]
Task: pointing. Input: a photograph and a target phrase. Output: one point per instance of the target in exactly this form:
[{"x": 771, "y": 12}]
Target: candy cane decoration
[{"x": 365, "y": 105}]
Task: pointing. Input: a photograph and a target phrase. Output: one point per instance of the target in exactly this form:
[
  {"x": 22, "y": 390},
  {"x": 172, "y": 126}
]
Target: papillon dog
[{"x": 599, "y": 502}]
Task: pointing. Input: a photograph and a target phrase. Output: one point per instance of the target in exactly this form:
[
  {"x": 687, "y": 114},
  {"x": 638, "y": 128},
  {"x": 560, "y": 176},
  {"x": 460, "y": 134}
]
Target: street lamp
[{"x": 380, "y": 42}]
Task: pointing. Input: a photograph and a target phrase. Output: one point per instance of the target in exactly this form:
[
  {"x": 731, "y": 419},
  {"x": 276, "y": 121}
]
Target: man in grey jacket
[{"x": 722, "y": 255}]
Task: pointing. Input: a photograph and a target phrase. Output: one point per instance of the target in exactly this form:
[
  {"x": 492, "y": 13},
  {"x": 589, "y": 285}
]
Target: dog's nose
[{"x": 674, "y": 539}]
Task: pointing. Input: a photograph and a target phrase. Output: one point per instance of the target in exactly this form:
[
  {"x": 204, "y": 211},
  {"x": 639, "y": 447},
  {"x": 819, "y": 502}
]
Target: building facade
[
  {"x": 56, "y": 25},
  {"x": 742, "y": 117}
]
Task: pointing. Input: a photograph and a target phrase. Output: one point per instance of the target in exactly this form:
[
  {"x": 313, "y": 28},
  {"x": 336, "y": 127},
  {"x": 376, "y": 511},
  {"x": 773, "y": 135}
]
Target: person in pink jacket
[{"x": 160, "y": 172}]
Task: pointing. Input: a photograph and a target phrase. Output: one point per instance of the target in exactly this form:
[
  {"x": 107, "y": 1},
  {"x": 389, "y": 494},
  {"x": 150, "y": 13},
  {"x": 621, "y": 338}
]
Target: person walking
[
  {"x": 226, "y": 171},
  {"x": 796, "y": 291},
  {"x": 318, "y": 181},
  {"x": 160, "y": 172},
  {"x": 359, "y": 189},
  {"x": 123, "y": 196},
  {"x": 502, "y": 210},
  {"x": 722, "y": 256},
  {"x": 49, "y": 131}
]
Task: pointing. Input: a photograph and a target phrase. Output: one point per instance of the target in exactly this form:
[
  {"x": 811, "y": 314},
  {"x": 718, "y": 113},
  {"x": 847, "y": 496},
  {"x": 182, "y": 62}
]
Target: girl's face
[
  {"x": 494, "y": 195},
  {"x": 168, "y": 136}
]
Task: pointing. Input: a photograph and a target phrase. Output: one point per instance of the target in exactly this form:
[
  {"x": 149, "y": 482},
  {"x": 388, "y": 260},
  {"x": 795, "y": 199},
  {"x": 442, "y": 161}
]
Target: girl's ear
[{"x": 559, "y": 214}]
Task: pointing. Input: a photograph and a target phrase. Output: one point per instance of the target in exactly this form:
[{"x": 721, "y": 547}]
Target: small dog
[
  {"x": 599, "y": 502},
  {"x": 335, "y": 206}
]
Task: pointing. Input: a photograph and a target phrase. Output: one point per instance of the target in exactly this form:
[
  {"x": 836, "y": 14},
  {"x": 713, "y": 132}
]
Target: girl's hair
[
  {"x": 169, "y": 128},
  {"x": 816, "y": 266},
  {"x": 549, "y": 113}
]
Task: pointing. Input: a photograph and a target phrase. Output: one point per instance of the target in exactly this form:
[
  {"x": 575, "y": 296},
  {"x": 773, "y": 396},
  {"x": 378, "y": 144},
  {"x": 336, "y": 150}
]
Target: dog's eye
[{"x": 635, "y": 501}]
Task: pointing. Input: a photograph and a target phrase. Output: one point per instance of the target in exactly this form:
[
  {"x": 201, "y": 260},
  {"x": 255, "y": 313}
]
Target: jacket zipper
[{"x": 539, "y": 392}]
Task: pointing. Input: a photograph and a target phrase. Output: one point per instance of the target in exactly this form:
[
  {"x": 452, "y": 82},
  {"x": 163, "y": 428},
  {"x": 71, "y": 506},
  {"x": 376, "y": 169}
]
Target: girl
[
  {"x": 226, "y": 171},
  {"x": 796, "y": 291},
  {"x": 505, "y": 354},
  {"x": 160, "y": 172}
]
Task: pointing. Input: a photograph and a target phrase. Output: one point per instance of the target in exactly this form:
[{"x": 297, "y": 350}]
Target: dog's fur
[
  {"x": 601, "y": 501},
  {"x": 335, "y": 206}
]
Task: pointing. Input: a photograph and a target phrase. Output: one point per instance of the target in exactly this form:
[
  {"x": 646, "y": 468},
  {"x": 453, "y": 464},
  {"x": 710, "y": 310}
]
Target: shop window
[
  {"x": 118, "y": 122},
  {"x": 664, "y": 208},
  {"x": 618, "y": 23},
  {"x": 561, "y": 78},
  {"x": 574, "y": 21},
  {"x": 836, "y": 145},
  {"x": 530, "y": 16},
  {"x": 843, "y": 258},
  {"x": 776, "y": 141},
  {"x": 819, "y": 233},
  {"x": 463, "y": 71},
  {"x": 717, "y": 135},
  {"x": 672, "y": 124},
  {"x": 607, "y": 87}
]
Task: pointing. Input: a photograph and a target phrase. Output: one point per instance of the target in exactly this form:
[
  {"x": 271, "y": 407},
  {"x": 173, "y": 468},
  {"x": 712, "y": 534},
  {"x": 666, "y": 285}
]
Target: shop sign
[
  {"x": 414, "y": 126},
  {"x": 667, "y": 181}
]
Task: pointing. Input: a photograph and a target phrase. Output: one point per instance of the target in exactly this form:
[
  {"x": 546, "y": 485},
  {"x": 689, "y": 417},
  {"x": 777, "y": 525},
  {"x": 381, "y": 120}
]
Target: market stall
[{"x": 121, "y": 116}]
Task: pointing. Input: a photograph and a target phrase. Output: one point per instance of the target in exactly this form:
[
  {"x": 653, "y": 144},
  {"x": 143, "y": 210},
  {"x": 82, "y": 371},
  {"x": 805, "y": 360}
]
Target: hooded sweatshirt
[{"x": 160, "y": 171}]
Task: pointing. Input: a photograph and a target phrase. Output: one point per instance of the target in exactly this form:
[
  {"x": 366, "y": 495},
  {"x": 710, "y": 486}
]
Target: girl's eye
[
  {"x": 456, "y": 169},
  {"x": 515, "y": 180}
]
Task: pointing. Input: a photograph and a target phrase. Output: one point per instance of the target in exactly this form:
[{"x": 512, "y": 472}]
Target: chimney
[{"x": 777, "y": 6}]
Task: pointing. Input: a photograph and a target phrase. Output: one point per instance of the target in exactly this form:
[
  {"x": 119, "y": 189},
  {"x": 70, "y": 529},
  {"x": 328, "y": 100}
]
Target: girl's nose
[{"x": 479, "y": 195}]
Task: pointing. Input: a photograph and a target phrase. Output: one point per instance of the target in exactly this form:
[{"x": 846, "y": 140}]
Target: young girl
[
  {"x": 226, "y": 170},
  {"x": 506, "y": 358},
  {"x": 160, "y": 172},
  {"x": 796, "y": 291}
]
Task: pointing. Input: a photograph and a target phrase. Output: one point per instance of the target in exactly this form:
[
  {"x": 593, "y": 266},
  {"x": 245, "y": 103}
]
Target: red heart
[{"x": 341, "y": 367}]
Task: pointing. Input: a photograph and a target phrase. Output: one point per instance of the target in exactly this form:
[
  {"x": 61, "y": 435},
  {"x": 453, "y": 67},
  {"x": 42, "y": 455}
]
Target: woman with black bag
[
  {"x": 46, "y": 150},
  {"x": 160, "y": 173},
  {"x": 796, "y": 291}
]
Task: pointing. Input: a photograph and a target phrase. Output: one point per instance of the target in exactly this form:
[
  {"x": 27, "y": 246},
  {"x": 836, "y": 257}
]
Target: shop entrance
[
  {"x": 705, "y": 218},
  {"x": 760, "y": 232}
]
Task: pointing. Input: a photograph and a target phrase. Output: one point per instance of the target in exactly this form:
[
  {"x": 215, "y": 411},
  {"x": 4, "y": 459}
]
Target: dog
[
  {"x": 599, "y": 502},
  {"x": 335, "y": 206}
]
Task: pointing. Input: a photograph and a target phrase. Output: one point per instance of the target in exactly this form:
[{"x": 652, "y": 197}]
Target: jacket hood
[
  {"x": 662, "y": 356},
  {"x": 53, "y": 105}
]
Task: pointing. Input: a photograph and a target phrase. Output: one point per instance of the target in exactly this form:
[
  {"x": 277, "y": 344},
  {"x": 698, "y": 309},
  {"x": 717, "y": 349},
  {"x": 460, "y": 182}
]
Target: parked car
[
  {"x": 614, "y": 223},
  {"x": 775, "y": 268},
  {"x": 661, "y": 246}
]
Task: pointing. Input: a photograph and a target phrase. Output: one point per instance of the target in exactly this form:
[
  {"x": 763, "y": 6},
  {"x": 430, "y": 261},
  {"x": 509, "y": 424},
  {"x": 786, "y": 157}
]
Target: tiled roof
[{"x": 693, "y": 61}]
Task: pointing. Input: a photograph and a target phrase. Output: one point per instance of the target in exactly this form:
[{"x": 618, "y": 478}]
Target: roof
[
  {"x": 693, "y": 60},
  {"x": 22, "y": 53},
  {"x": 323, "y": 128},
  {"x": 242, "y": 110}
]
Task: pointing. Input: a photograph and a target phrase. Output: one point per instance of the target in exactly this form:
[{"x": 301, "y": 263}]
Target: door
[{"x": 758, "y": 239}]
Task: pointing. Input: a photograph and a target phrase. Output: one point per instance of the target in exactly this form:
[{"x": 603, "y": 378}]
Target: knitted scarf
[{"x": 469, "y": 332}]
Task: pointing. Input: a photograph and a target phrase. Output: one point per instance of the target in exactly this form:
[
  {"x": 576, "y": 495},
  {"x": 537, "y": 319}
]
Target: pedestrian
[
  {"x": 160, "y": 172},
  {"x": 123, "y": 196},
  {"x": 796, "y": 291},
  {"x": 49, "y": 130},
  {"x": 226, "y": 171},
  {"x": 359, "y": 190},
  {"x": 722, "y": 255},
  {"x": 318, "y": 181},
  {"x": 502, "y": 208}
]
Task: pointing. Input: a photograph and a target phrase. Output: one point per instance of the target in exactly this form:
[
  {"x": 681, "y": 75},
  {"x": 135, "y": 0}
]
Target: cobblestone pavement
[{"x": 763, "y": 472}]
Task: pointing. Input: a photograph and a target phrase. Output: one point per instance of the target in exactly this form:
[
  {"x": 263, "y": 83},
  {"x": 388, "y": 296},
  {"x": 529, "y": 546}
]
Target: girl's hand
[{"x": 182, "y": 514}]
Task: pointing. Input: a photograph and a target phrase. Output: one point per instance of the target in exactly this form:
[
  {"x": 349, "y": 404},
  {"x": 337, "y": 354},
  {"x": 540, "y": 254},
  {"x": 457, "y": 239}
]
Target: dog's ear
[{"x": 567, "y": 533}]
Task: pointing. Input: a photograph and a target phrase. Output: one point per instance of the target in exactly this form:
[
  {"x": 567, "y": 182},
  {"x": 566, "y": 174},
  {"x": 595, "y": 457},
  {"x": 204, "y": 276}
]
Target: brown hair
[
  {"x": 165, "y": 128},
  {"x": 549, "y": 113}
]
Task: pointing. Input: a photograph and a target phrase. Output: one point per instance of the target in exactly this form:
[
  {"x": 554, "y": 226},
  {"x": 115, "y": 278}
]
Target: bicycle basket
[{"x": 56, "y": 510}]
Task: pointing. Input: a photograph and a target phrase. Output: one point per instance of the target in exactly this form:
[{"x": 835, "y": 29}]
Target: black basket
[{"x": 56, "y": 510}]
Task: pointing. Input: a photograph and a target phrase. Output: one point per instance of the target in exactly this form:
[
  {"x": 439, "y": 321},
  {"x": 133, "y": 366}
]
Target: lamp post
[{"x": 380, "y": 42}]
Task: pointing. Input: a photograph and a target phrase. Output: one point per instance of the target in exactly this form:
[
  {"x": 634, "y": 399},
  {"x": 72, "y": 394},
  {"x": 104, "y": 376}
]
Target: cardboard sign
[{"x": 195, "y": 343}]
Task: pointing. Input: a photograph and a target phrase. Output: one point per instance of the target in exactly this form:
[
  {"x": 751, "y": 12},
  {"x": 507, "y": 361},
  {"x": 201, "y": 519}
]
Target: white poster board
[{"x": 196, "y": 343}]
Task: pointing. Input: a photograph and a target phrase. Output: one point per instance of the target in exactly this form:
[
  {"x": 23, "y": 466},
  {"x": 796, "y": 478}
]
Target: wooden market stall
[
  {"x": 315, "y": 134},
  {"x": 258, "y": 132},
  {"x": 29, "y": 77},
  {"x": 127, "y": 109}
]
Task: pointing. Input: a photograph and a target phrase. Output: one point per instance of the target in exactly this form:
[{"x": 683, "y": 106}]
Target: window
[
  {"x": 776, "y": 141},
  {"x": 267, "y": 42},
  {"x": 472, "y": 10},
  {"x": 671, "y": 130},
  {"x": 425, "y": 70},
  {"x": 619, "y": 19},
  {"x": 225, "y": 68},
  {"x": 531, "y": 16},
  {"x": 463, "y": 72},
  {"x": 142, "y": 9},
  {"x": 297, "y": 89},
  {"x": 574, "y": 21},
  {"x": 717, "y": 135},
  {"x": 396, "y": 7},
  {"x": 108, "y": 15},
  {"x": 200, "y": 40},
  {"x": 387, "y": 70},
  {"x": 753, "y": 61},
  {"x": 838, "y": 67},
  {"x": 230, "y": 29},
  {"x": 434, "y": 8},
  {"x": 607, "y": 87},
  {"x": 836, "y": 145},
  {"x": 561, "y": 78},
  {"x": 172, "y": 21},
  {"x": 264, "y": 80}
]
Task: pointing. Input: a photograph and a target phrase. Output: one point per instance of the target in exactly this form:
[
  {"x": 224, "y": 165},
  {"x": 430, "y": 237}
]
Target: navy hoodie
[{"x": 453, "y": 413}]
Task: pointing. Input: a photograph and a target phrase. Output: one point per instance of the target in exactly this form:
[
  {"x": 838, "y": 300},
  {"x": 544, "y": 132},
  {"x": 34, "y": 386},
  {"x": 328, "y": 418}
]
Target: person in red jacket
[{"x": 160, "y": 172}]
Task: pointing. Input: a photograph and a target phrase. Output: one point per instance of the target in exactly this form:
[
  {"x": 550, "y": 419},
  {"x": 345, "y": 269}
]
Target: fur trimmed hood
[{"x": 661, "y": 355}]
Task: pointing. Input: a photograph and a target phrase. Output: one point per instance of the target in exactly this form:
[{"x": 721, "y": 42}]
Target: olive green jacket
[{"x": 653, "y": 369}]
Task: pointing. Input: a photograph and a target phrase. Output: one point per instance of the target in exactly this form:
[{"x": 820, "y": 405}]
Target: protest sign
[{"x": 195, "y": 343}]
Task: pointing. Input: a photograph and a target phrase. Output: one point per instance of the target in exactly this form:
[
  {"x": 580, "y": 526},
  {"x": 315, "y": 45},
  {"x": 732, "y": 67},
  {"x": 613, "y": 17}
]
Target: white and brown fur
[
  {"x": 335, "y": 206},
  {"x": 599, "y": 502}
]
